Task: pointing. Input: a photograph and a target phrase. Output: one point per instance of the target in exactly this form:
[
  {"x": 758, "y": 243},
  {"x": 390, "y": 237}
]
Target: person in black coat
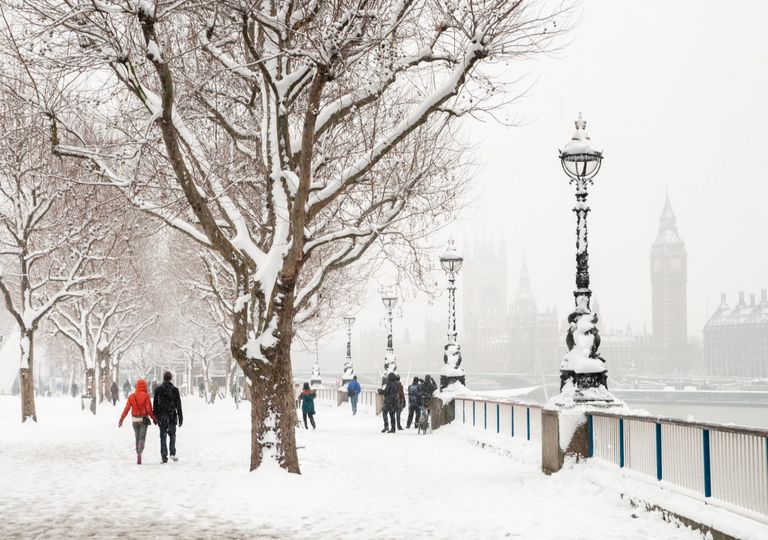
[
  {"x": 115, "y": 391},
  {"x": 413, "y": 402},
  {"x": 167, "y": 407},
  {"x": 391, "y": 392},
  {"x": 428, "y": 388}
]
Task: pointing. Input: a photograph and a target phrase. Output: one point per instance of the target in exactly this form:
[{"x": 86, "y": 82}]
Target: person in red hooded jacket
[{"x": 141, "y": 411}]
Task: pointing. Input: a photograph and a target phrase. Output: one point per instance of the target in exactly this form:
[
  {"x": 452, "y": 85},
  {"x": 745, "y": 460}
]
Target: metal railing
[
  {"x": 506, "y": 417},
  {"x": 366, "y": 401},
  {"x": 725, "y": 465}
]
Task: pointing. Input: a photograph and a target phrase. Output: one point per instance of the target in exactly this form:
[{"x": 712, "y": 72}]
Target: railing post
[
  {"x": 707, "y": 464},
  {"x": 463, "y": 411},
  {"x": 528, "y": 422},
  {"x": 485, "y": 415},
  {"x": 591, "y": 430},
  {"x": 453, "y": 409},
  {"x": 498, "y": 418},
  {"x": 473, "y": 413},
  {"x": 621, "y": 443},
  {"x": 658, "y": 452},
  {"x": 512, "y": 413}
]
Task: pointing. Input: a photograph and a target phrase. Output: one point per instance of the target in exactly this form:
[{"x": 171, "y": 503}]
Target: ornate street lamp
[
  {"x": 583, "y": 367},
  {"x": 452, "y": 371},
  {"x": 315, "y": 379},
  {"x": 349, "y": 370},
  {"x": 389, "y": 300}
]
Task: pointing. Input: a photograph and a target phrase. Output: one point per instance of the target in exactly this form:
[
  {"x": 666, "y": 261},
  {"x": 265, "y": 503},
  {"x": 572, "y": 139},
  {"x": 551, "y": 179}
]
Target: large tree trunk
[
  {"x": 26, "y": 377},
  {"x": 273, "y": 415}
]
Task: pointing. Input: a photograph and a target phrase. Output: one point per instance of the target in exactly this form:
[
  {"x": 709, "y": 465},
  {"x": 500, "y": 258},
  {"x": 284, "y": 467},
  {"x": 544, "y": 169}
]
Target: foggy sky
[{"x": 675, "y": 94}]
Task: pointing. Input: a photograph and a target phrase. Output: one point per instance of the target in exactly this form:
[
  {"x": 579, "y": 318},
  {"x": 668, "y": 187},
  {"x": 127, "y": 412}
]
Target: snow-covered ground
[{"x": 74, "y": 476}]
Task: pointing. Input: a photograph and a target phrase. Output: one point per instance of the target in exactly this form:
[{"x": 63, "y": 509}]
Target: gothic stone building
[{"x": 736, "y": 339}]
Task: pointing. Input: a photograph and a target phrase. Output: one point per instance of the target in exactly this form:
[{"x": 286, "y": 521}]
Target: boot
[
  {"x": 138, "y": 459},
  {"x": 384, "y": 430},
  {"x": 392, "y": 430}
]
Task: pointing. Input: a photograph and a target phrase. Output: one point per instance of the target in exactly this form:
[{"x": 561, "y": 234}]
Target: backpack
[{"x": 351, "y": 393}]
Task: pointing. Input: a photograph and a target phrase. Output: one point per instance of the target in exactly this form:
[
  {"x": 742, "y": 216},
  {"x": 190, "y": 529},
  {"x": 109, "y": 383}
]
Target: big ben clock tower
[{"x": 668, "y": 285}]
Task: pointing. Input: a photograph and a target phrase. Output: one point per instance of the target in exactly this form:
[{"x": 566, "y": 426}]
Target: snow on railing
[
  {"x": 724, "y": 465},
  {"x": 503, "y": 416}
]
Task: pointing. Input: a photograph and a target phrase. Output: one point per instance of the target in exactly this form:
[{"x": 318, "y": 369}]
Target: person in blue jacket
[{"x": 353, "y": 390}]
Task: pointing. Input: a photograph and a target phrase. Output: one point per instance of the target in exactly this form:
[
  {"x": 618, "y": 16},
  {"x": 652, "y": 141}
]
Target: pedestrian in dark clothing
[
  {"x": 428, "y": 388},
  {"x": 115, "y": 391},
  {"x": 413, "y": 402},
  {"x": 353, "y": 391},
  {"x": 126, "y": 388},
  {"x": 400, "y": 402},
  {"x": 214, "y": 392},
  {"x": 307, "y": 398},
  {"x": 167, "y": 406},
  {"x": 74, "y": 389},
  {"x": 201, "y": 390},
  {"x": 391, "y": 393}
]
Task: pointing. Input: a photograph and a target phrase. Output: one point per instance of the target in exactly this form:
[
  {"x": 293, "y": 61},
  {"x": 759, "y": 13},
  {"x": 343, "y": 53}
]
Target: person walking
[
  {"x": 167, "y": 405},
  {"x": 307, "y": 398},
  {"x": 400, "y": 402},
  {"x": 214, "y": 392},
  {"x": 391, "y": 402},
  {"x": 353, "y": 391},
  {"x": 236, "y": 394},
  {"x": 413, "y": 402},
  {"x": 141, "y": 411},
  {"x": 115, "y": 391},
  {"x": 126, "y": 388},
  {"x": 74, "y": 389}
]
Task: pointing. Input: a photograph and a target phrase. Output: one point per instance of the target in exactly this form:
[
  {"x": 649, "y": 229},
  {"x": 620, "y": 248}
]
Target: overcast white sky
[{"x": 675, "y": 93}]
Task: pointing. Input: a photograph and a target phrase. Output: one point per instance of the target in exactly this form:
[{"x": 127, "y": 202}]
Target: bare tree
[
  {"x": 102, "y": 326},
  {"x": 293, "y": 138},
  {"x": 47, "y": 230},
  {"x": 203, "y": 349},
  {"x": 144, "y": 359}
]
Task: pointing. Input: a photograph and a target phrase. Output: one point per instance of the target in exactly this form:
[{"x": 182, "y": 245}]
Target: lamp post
[
  {"x": 315, "y": 378},
  {"x": 389, "y": 300},
  {"x": 582, "y": 367},
  {"x": 349, "y": 370},
  {"x": 452, "y": 371}
]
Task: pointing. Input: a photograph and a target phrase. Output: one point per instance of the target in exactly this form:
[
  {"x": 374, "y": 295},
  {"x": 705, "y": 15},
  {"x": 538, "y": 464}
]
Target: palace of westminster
[{"x": 517, "y": 337}]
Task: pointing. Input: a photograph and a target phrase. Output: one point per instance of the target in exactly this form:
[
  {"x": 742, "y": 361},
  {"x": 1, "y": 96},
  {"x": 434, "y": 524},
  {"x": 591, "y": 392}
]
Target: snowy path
[{"x": 74, "y": 476}]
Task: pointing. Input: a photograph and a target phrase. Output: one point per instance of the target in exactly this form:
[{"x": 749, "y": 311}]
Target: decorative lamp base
[
  {"x": 447, "y": 380},
  {"x": 315, "y": 382},
  {"x": 345, "y": 381},
  {"x": 589, "y": 388}
]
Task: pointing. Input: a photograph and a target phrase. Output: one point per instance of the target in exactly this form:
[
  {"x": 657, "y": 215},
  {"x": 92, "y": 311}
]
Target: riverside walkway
[{"x": 73, "y": 476}]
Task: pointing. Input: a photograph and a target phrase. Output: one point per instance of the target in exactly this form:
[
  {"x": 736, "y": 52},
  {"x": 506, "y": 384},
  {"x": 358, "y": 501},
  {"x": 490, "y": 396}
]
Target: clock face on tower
[{"x": 677, "y": 264}]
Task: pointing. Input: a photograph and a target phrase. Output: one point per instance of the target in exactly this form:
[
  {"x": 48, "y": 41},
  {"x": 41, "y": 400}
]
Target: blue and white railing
[
  {"x": 722, "y": 465},
  {"x": 506, "y": 417}
]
